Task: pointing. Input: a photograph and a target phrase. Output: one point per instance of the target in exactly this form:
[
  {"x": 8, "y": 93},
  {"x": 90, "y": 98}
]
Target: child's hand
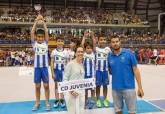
[
  {"x": 86, "y": 34},
  {"x": 92, "y": 34},
  {"x": 39, "y": 17}
]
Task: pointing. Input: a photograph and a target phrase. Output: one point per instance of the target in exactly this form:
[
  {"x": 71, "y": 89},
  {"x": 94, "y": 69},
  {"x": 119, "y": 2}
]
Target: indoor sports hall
[{"x": 46, "y": 45}]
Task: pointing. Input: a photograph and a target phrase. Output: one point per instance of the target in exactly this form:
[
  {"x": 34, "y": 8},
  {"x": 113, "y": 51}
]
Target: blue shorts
[
  {"x": 58, "y": 75},
  {"x": 41, "y": 74},
  {"x": 102, "y": 78}
]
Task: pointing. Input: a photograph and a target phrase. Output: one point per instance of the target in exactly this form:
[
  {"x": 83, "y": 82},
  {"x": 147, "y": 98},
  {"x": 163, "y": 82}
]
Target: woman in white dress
[{"x": 74, "y": 71}]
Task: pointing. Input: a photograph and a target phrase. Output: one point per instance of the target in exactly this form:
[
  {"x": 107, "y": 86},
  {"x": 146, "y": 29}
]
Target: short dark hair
[
  {"x": 101, "y": 34},
  {"x": 40, "y": 31},
  {"x": 115, "y": 36},
  {"x": 88, "y": 43}
]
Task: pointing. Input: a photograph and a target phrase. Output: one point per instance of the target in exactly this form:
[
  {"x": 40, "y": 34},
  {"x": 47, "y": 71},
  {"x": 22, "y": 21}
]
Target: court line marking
[
  {"x": 156, "y": 99},
  {"x": 154, "y": 105}
]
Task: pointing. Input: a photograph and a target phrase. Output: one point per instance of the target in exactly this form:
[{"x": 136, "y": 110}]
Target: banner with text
[{"x": 76, "y": 85}]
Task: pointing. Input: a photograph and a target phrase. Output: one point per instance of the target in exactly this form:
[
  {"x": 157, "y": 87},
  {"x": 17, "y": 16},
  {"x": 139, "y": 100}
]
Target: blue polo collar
[{"x": 122, "y": 51}]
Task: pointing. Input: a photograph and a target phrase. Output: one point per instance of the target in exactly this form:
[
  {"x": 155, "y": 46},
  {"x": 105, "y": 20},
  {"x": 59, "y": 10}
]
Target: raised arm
[
  {"x": 84, "y": 38},
  {"x": 39, "y": 17},
  {"x": 46, "y": 30},
  {"x": 93, "y": 40},
  {"x": 33, "y": 31}
]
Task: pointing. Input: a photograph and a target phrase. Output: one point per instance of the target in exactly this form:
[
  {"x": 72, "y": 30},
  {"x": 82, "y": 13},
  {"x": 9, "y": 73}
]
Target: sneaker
[
  {"x": 63, "y": 103},
  {"x": 36, "y": 107},
  {"x": 98, "y": 103},
  {"x": 56, "y": 103},
  {"x": 91, "y": 105},
  {"x": 86, "y": 106},
  {"x": 47, "y": 107},
  {"x": 105, "y": 103}
]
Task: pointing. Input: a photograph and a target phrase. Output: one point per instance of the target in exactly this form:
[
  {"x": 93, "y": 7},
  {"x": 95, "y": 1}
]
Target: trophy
[{"x": 38, "y": 8}]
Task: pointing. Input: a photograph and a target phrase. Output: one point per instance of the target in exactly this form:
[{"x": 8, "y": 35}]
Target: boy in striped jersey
[
  {"x": 102, "y": 78},
  {"x": 101, "y": 53},
  {"x": 39, "y": 41},
  {"x": 58, "y": 61},
  {"x": 89, "y": 68},
  {"x": 72, "y": 50}
]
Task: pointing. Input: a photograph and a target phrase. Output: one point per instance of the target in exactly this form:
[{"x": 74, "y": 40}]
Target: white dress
[{"x": 74, "y": 71}]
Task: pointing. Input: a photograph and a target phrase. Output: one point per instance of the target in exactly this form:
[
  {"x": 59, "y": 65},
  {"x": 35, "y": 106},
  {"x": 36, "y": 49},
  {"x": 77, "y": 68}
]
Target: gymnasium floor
[{"x": 17, "y": 92}]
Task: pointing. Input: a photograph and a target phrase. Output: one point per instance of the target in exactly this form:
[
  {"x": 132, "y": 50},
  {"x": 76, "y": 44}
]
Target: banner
[{"x": 76, "y": 85}]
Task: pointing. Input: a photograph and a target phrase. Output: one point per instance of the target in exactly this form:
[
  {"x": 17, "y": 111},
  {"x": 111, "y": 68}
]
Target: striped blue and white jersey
[
  {"x": 40, "y": 54},
  {"x": 69, "y": 54},
  {"x": 60, "y": 58},
  {"x": 102, "y": 58},
  {"x": 89, "y": 64}
]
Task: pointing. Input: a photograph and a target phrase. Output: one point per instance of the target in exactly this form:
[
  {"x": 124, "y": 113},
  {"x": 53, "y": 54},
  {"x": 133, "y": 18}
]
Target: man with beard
[{"x": 123, "y": 66}]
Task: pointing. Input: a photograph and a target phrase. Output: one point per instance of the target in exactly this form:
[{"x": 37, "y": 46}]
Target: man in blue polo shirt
[{"x": 123, "y": 66}]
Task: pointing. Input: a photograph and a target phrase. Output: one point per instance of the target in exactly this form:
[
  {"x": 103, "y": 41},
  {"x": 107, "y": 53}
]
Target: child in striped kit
[
  {"x": 89, "y": 68},
  {"x": 58, "y": 61},
  {"x": 39, "y": 41},
  {"x": 102, "y": 78}
]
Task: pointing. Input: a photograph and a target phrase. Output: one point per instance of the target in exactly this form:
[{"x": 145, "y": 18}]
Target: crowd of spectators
[
  {"x": 149, "y": 55},
  {"x": 78, "y": 15},
  {"x": 16, "y": 58},
  {"x": 26, "y": 58},
  {"x": 144, "y": 55},
  {"x": 18, "y": 14},
  {"x": 71, "y": 15},
  {"x": 142, "y": 38},
  {"x": 14, "y": 37}
]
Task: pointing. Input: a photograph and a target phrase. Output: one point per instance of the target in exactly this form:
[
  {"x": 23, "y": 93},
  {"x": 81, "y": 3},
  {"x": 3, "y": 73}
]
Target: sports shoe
[
  {"x": 36, "y": 107},
  {"x": 47, "y": 107},
  {"x": 98, "y": 103},
  {"x": 91, "y": 105},
  {"x": 105, "y": 103},
  {"x": 86, "y": 106},
  {"x": 63, "y": 103},
  {"x": 56, "y": 103}
]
